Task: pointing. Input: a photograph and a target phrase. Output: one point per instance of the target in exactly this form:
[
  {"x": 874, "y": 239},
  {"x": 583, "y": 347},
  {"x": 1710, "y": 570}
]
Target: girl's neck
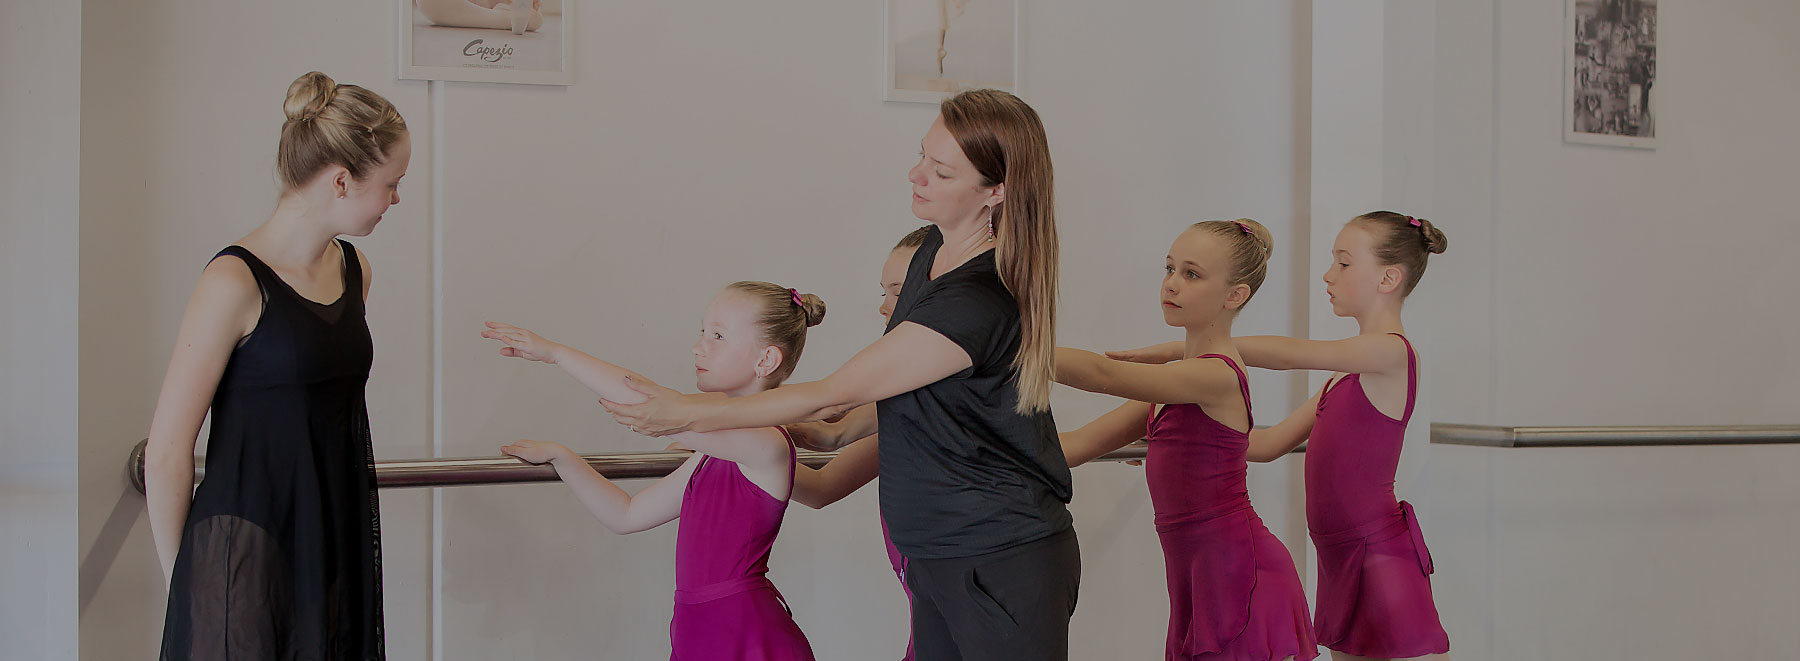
[
  {"x": 1213, "y": 337},
  {"x": 747, "y": 390},
  {"x": 1380, "y": 321},
  {"x": 292, "y": 236}
]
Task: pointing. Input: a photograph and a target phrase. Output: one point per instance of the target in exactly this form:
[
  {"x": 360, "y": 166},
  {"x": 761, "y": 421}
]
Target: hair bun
[
  {"x": 813, "y": 308},
  {"x": 308, "y": 96},
  {"x": 1259, "y": 233},
  {"x": 1433, "y": 238}
]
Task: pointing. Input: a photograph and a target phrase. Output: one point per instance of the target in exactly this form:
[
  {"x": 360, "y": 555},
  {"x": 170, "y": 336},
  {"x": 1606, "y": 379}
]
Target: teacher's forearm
[{"x": 800, "y": 402}]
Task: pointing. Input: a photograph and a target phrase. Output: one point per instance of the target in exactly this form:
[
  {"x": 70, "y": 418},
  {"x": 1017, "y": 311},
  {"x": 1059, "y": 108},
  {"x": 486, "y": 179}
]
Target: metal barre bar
[
  {"x": 449, "y": 472},
  {"x": 1589, "y": 437},
  {"x": 639, "y": 465}
]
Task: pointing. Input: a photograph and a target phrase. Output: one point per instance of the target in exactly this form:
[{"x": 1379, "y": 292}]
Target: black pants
[{"x": 1012, "y": 604}]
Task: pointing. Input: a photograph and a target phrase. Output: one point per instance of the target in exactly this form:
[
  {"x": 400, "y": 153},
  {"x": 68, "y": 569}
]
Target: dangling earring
[{"x": 990, "y": 225}]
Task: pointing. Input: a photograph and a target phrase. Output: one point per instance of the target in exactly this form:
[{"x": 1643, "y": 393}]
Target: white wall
[
  {"x": 1594, "y": 285},
  {"x": 708, "y": 144},
  {"x": 39, "y": 168},
  {"x": 702, "y": 145}
]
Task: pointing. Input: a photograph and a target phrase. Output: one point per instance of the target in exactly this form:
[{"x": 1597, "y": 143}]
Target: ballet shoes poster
[{"x": 493, "y": 41}]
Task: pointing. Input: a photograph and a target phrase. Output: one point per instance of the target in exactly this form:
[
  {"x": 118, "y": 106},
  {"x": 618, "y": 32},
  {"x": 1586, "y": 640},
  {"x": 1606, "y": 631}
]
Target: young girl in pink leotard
[
  {"x": 1233, "y": 591},
  {"x": 1374, "y": 598},
  {"x": 730, "y": 495}
]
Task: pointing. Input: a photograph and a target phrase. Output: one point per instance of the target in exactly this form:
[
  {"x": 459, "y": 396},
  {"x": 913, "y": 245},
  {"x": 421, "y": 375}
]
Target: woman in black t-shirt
[{"x": 975, "y": 484}]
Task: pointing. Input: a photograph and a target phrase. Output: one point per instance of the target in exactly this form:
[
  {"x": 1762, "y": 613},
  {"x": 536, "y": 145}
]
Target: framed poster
[
  {"x": 488, "y": 41},
  {"x": 936, "y": 48},
  {"x": 1610, "y": 61}
]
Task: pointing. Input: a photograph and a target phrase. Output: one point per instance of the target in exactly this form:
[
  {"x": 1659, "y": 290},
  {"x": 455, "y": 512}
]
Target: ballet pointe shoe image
[{"x": 490, "y": 14}]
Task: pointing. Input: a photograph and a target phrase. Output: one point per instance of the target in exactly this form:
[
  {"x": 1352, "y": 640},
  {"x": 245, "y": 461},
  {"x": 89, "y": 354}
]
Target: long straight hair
[{"x": 1005, "y": 141}]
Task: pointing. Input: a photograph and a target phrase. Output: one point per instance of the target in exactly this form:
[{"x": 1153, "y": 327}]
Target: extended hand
[
  {"x": 664, "y": 411},
  {"x": 521, "y": 343},
  {"x": 535, "y": 452}
]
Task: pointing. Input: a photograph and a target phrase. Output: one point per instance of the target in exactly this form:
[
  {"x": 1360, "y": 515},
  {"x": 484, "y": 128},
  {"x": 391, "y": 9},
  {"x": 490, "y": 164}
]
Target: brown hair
[
  {"x": 783, "y": 323},
  {"x": 1403, "y": 241},
  {"x": 1004, "y": 139},
  {"x": 331, "y": 124},
  {"x": 913, "y": 239},
  {"x": 1251, "y": 244}
]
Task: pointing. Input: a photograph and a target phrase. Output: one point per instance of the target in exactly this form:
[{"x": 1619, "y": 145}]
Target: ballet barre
[
  {"x": 450, "y": 472},
  {"x": 1594, "y": 437}
]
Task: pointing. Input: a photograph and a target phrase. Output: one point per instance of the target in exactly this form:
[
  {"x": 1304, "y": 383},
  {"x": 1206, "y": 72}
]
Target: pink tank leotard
[
  {"x": 1374, "y": 570},
  {"x": 1233, "y": 590},
  {"x": 725, "y": 606}
]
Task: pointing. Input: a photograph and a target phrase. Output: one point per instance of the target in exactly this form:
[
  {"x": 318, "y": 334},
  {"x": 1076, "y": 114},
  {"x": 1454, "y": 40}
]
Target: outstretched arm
[
  {"x": 858, "y": 424},
  {"x": 604, "y": 378},
  {"x": 762, "y": 453},
  {"x": 1114, "y": 430},
  {"x": 1201, "y": 382},
  {"x": 1272, "y": 443},
  {"x": 855, "y": 466},
  {"x": 1166, "y": 352},
  {"x": 907, "y": 358},
  {"x": 620, "y": 512},
  {"x": 1363, "y": 354}
]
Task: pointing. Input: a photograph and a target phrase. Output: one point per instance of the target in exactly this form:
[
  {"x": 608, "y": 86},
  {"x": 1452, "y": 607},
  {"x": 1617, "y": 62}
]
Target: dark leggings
[{"x": 1011, "y": 604}]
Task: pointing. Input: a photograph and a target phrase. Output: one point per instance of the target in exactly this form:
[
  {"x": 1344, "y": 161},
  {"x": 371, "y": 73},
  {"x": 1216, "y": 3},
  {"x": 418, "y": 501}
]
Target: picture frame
[
  {"x": 936, "y": 48},
  {"x": 1609, "y": 69},
  {"x": 478, "y": 41}
]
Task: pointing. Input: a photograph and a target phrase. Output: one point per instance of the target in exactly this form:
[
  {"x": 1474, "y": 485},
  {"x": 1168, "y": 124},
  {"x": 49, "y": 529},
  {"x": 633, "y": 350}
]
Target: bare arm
[
  {"x": 1203, "y": 382},
  {"x": 1363, "y": 354},
  {"x": 604, "y": 378},
  {"x": 763, "y": 453},
  {"x": 1272, "y": 443},
  {"x": 1166, "y": 352},
  {"x": 858, "y": 424},
  {"x": 620, "y": 512},
  {"x": 907, "y": 358},
  {"x": 855, "y": 466},
  {"x": 224, "y": 308},
  {"x": 1114, "y": 430}
]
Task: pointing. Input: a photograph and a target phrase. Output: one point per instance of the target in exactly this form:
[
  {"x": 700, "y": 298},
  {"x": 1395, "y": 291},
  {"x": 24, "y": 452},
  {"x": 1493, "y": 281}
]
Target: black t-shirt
[{"x": 962, "y": 473}]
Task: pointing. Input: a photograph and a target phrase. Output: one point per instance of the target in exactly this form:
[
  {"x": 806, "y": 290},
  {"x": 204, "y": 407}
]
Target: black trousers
[{"x": 1012, "y": 604}]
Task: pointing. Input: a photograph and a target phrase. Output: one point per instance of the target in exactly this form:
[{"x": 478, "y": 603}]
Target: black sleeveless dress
[{"x": 281, "y": 554}]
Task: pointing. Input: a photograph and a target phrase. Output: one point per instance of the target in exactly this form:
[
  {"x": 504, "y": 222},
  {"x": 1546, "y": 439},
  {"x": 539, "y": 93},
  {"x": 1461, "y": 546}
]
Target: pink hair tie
[
  {"x": 795, "y": 293},
  {"x": 1242, "y": 227},
  {"x": 1413, "y": 221}
]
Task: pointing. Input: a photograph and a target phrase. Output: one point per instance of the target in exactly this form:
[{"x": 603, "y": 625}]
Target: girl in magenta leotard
[
  {"x": 1233, "y": 591},
  {"x": 1374, "y": 597},
  {"x": 730, "y": 495}
]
